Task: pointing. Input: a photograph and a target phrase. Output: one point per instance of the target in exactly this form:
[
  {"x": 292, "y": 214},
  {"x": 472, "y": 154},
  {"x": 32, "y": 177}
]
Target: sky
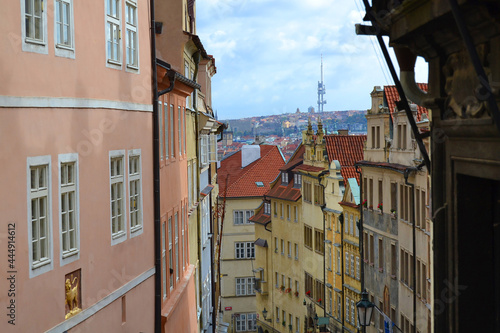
[{"x": 268, "y": 56}]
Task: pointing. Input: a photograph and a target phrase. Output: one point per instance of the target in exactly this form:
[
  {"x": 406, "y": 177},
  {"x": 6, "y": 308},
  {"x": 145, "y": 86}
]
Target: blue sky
[{"x": 268, "y": 55}]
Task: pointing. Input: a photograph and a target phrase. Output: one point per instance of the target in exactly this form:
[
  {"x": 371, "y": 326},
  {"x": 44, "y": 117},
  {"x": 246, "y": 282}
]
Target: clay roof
[
  {"x": 347, "y": 149},
  {"x": 296, "y": 159},
  {"x": 392, "y": 96},
  {"x": 288, "y": 191},
  {"x": 242, "y": 182},
  {"x": 310, "y": 168},
  {"x": 260, "y": 217},
  {"x": 349, "y": 172}
]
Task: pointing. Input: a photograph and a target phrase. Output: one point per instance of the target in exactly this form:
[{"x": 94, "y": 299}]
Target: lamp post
[
  {"x": 264, "y": 314},
  {"x": 365, "y": 310}
]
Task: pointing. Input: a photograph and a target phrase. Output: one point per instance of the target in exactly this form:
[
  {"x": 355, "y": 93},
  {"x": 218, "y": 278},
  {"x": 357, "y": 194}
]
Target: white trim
[
  {"x": 120, "y": 236},
  {"x": 104, "y": 302},
  {"x": 138, "y": 230},
  {"x": 63, "y": 102},
  {"x": 49, "y": 265},
  {"x": 31, "y": 45},
  {"x": 73, "y": 256},
  {"x": 132, "y": 68},
  {"x": 61, "y": 50},
  {"x": 112, "y": 63}
]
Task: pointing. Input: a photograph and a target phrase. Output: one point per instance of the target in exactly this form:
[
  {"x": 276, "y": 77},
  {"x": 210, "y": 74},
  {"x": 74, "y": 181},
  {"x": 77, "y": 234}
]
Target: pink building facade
[{"x": 77, "y": 205}]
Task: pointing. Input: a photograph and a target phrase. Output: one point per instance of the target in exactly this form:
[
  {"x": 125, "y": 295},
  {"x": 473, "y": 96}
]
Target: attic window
[
  {"x": 297, "y": 178},
  {"x": 259, "y": 184},
  {"x": 284, "y": 177}
]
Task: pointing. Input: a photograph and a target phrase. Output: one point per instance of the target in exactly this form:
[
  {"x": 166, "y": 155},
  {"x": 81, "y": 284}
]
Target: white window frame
[
  {"x": 116, "y": 21},
  {"x": 40, "y": 266},
  {"x": 170, "y": 254},
  {"x": 31, "y": 44},
  {"x": 244, "y": 286},
  {"x": 120, "y": 235},
  {"x": 166, "y": 125},
  {"x": 296, "y": 214},
  {"x": 176, "y": 235},
  {"x": 64, "y": 50},
  {"x": 179, "y": 129},
  {"x": 245, "y": 215},
  {"x": 172, "y": 133},
  {"x": 138, "y": 228},
  {"x": 212, "y": 148},
  {"x": 164, "y": 258},
  {"x": 243, "y": 248},
  {"x": 204, "y": 141},
  {"x": 131, "y": 30},
  {"x": 241, "y": 322},
  {"x": 73, "y": 253},
  {"x": 296, "y": 251}
]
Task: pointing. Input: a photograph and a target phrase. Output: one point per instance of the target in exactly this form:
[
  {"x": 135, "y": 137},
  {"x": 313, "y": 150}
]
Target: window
[
  {"x": 170, "y": 253},
  {"x": 244, "y": 250},
  {"x": 372, "y": 251},
  {"x": 346, "y": 224},
  {"x": 380, "y": 195},
  {"x": 34, "y": 26},
  {"x": 296, "y": 286},
  {"x": 164, "y": 261},
  {"x": 338, "y": 261},
  {"x": 365, "y": 246},
  {"x": 352, "y": 265},
  {"x": 176, "y": 221},
  {"x": 346, "y": 263},
  {"x": 184, "y": 136},
  {"x": 308, "y": 236},
  {"x": 288, "y": 212},
  {"x": 281, "y": 211},
  {"x": 172, "y": 152},
  {"x": 306, "y": 192},
  {"x": 68, "y": 189},
  {"x": 113, "y": 38},
  {"x": 277, "y": 314},
  {"x": 393, "y": 260},
  {"x": 370, "y": 194},
  {"x": 190, "y": 197},
  {"x": 356, "y": 227},
  {"x": 131, "y": 36},
  {"x": 40, "y": 220},
  {"x": 179, "y": 129},
  {"x": 289, "y": 249},
  {"x": 135, "y": 190},
  {"x": 378, "y": 137},
  {"x": 63, "y": 24},
  {"x": 242, "y": 216},
  {"x": 245, "y": 286},
  {"x": 357, "y": 268},
  {"x": 297, "y": 178},
  {"x": 276, "y": 244},
  {"x": 319, "y": 241},
  {"x": 167, "y": 151},
  {"x": 282, "y": 247},
  {"x": 252, "y": 321},
  {"x": 284, "y": 177},
  {"x": 380, "y": 254},
  {"x": 296, "y": 251},
  {"x": 351, "y": 223},
  {"x": 353, "y": 312},
  {"x": 117, "y": 195},
  {"x": 160, "y": 124},
  {"x": 394, "y": 196},
  {"x": 267, "y": 208},
  {"x": 319, "y": 292},
  {"x": 295, "y": 213},
  {"x": 241, "y": 322},
  {"x": 330, "y": 302},
  {"x": 339, "y": 307},
  {"x": 318, "y": 195},
  {"x": 275, "y": 209},
  {"x": 309, "y": 286},
  {"x": 277, "y": 278},
  {"x": 297, "y": 324},
  {"x": 347, "y": 311}
]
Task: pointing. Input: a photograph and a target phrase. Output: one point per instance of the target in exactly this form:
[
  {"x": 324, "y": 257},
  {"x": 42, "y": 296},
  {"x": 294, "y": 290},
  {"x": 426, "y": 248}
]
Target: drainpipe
[
  {"x": 406, "y": 60},
  {"x": 341, "y": 220},
  {"x": 360, "y": 227},
  {"x": 156, "y": 177},
  {"x": 406, "y": 174}
]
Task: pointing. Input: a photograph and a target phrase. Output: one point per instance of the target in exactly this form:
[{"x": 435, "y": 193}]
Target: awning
[
  {"x": 261, "y": 242},
  {"x": 323, "y": 321},
  {"x": 206, "y": 191}
]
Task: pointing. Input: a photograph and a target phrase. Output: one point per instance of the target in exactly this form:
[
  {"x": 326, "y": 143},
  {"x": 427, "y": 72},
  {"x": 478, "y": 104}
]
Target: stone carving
[
  {"x": 466, "y": 98},
  {"x": 71, "y": 287}
]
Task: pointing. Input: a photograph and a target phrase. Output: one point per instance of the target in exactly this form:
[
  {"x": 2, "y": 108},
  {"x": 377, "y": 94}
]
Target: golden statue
[{"x": 72, "y": 297}]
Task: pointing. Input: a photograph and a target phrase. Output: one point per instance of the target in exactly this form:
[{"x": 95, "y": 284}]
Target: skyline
[{"x": 268, "y": 58}]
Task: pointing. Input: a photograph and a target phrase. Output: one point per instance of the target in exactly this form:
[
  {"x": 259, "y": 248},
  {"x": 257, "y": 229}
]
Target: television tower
[{"x": 321, "y": 90}]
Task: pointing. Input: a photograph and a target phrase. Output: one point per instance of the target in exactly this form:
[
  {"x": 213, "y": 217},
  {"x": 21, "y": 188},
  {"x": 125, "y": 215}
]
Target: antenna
[{"x": 321, "y": 90}]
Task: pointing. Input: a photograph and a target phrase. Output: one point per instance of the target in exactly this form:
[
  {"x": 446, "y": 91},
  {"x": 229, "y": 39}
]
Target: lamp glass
[
  {"x": 264, "y": 313},
  {"x": 365, "y": 310}
]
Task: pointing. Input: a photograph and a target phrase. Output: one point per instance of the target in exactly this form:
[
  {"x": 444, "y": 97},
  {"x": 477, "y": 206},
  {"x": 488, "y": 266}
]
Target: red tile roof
[
  {"x": 310, "y": 168},
  {"x": 385, "y": 165},
  {"x": 242, "y": 181},
  {"x": 289, "y": 191},
  {"x": 392, "y": 96},
  {"x": 260, "y": 217},
  {"x": 347, "y": 149},
  {"x": 296, "y": 159}
]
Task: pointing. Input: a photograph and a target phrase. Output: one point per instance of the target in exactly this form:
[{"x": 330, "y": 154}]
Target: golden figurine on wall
[{"x": 72, "y": 293}]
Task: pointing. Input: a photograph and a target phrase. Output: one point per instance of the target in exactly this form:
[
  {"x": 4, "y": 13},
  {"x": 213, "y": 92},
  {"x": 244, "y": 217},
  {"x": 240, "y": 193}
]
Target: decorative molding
[{"x": 70, "y": 103}]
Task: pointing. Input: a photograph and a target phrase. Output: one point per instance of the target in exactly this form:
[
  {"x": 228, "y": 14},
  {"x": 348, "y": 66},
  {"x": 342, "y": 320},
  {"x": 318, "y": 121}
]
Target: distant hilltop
[{"x": 291, "y": 124}]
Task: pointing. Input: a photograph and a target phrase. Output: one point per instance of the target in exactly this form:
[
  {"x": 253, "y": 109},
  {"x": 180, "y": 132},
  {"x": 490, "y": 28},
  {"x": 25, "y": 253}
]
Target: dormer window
[
  {"x": 297, "y": 178},
  {"x": 284, "y": 177},
  {"x": 267, "y": 208}
]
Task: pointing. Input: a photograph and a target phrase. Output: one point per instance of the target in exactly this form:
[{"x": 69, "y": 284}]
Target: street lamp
[
  {"x": 365, "y": 310},
  {"x": 264, "y": 314}
]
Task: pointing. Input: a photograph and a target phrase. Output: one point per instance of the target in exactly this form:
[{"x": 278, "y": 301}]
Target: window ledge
[
  {"x": 72, "y": 252},
  {"x": 114, "y": 62},
  {"x": 41, "y": 263},
  {"x": 133, "y": 67},
  {"x": 65, "y": 47},
  {"x": 35, "y": 41},
  {"x": 136, "y": 229},
  {"x": 118, "y": 235}
]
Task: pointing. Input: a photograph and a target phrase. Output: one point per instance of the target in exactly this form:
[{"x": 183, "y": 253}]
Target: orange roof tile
[
  {"x": 347, "y": 149},
  {"x": 392, "y": 96},
  {"x": 241, "y": 182},
  {"x": 260, "y": 217}
]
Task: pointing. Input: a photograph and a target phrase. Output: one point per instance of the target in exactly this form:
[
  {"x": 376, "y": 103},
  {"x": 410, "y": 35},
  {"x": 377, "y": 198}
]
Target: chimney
[
  {"x": 249, "y": 154},
  {"x": 343, "y": 132}
]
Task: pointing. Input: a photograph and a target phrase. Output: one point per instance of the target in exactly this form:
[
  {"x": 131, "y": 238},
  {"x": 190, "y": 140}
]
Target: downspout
[
  {"x": 156, "y": 177},
  {"x": 198, "y": 217},
  {"x": 406, "y": 60},
  {"x": 320, "y": 178},
  {"x": 341, "y": 220},
  {"x": 212, "y": 261},
  {"x": 360, "y": 227},
  {"x": 414, "y": 278}
]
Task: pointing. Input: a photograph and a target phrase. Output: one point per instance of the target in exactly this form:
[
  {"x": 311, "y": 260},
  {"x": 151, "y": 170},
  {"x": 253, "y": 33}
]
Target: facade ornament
[{"x": 72, "y": 296}]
